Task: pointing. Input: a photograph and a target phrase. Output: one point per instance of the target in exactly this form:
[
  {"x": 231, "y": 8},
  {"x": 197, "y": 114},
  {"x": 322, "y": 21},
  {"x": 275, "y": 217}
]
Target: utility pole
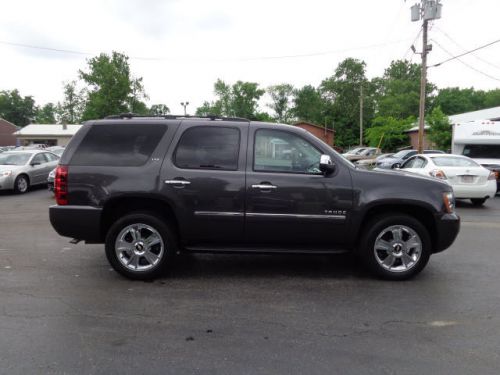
[
  {"x": 428, "y": 10},
  {"x": 423, "y": 84},
  {"x": 361, "y": 115}
]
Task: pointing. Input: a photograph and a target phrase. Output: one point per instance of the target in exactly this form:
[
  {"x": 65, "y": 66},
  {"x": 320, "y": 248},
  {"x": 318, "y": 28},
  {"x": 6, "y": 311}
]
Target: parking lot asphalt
[{"x": 64, "y": 311}]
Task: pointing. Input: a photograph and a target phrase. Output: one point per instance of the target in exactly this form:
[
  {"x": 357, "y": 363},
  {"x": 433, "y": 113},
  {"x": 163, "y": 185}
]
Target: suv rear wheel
[
  {"x": 395, "y": 247},
  {"x": 139, "y": 246}
]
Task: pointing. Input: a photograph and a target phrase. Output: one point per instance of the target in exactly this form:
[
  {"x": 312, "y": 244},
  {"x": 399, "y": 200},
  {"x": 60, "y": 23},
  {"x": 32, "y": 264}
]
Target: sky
[{"x": 181, "y": 47}]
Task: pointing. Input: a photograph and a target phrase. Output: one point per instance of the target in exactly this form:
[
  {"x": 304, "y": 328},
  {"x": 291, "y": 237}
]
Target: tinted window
[
  {"x": 208, "y": 147},
  {"x": 482, "y": 151},
  {"x": 409, "y": 163},
  {"x": 278, "y": 151},
  {"x": 118, "y": 145}
]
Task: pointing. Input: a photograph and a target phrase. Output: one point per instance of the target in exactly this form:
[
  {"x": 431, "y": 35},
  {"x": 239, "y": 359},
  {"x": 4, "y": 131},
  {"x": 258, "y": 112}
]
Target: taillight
[
  {"x": 438, "y": 174},
  {"x": 493, "y": 175},
  {"x": 61, "y": 185}
]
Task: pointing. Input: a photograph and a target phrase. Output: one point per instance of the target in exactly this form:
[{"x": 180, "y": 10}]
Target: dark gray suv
[{"x": 149, "y": 188}]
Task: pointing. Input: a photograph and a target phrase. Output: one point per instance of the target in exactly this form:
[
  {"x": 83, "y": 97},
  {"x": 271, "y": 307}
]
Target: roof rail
[{"x": 130, "y": 115}]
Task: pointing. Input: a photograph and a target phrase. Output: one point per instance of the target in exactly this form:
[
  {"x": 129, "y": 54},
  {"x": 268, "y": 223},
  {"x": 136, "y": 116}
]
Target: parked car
[
  {"x": 397, "y": 160},
  {"x": 369, "y": 163},
  {"x": 21, "y": 169},
  {"x": 354, "y": 151},
  {"x": 151, "y": 188},
  {"x": 468, "y": 179},
  {"x": 367, "y": 153},
  {"x": 58, "y": 150},
  {"x": 50, "y": 180}
]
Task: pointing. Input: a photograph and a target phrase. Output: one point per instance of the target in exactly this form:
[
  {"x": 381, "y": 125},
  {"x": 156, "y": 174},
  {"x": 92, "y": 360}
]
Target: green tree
[
  {"x": 17, "y": 109},
  {"x": 71, "y": 109},
  {"x": 308, "y": 105},
  {"x": 46, "y": 114},
  {"x": 281, "y": 96},
  {"x": 159, "y": 110},
  {"x": 341, "y": 93},
  {"x": 388, "y": 132},
  {"x": 111, "y": 87},
  {"x": 398, "y": 91},
  {"x": 238, "y": 100},
  {"x": 440, "y": 129}
]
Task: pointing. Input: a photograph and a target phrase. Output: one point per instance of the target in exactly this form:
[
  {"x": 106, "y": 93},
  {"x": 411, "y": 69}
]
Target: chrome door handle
[
  {"x": 177, "y": 182},
  {"x": 263, "y": 186}
]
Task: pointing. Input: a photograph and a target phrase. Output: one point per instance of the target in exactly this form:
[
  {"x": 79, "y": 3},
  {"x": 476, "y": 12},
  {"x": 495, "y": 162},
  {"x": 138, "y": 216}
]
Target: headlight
[
  {"x": 52, "y": 174},
  {"x": 6, "y": 173},
  {"x": 449, "y": 202}
]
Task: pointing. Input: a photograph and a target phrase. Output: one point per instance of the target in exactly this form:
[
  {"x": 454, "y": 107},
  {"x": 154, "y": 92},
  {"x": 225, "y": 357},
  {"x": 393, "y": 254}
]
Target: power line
[
  {"x": 461, "y": 47},
  {"x": 412, "y": 43},
  {"x": 463, "y": 62},
  {"x": 159, "y": 58},
  {"x": 462, "y": 54}
]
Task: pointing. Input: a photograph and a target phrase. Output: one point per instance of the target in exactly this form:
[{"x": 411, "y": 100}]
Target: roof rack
[{"x": 130, "y": 115}]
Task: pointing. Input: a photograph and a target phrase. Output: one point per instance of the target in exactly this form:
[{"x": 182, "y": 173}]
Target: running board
[{"x": 263, "y": 250}]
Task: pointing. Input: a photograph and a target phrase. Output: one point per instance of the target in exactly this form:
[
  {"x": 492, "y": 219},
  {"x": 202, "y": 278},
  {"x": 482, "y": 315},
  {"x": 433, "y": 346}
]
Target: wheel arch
[{"x": 120, "y": 206}]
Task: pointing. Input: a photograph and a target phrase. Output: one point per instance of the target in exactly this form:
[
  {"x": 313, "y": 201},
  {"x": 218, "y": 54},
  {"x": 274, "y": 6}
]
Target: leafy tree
[
  {"x": 388, "y": 132},
  {"x": 398, "y": 91},
  {"x": 17, "y": 109},
  {"x": 238, "y": 100},
  {"x": 112, "y": 89},
  {"x": 159, "y": 110},
  {"x": 440, "y": 129},
  {"x": 492, "y": 98},
  {"x": 136, "y": 105},
  {"x": 46, "y": 114},
  {"x": 281, "y": 96},
  {"x": 71, "y": 109},
  {"x": 341, "y": 93},
  {"x": 308, "y": 105}
]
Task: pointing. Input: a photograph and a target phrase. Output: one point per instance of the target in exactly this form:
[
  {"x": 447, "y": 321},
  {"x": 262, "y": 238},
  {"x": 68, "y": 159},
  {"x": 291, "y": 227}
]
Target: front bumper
[
  {"x": 447, "y": 228},
  {"x": 79, "y": 222},
  {"x": 6, "y": 183}
]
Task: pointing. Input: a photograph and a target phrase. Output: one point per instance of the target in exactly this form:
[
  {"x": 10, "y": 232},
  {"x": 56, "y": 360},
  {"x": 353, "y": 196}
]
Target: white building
[{"x": 48, "y": 134}]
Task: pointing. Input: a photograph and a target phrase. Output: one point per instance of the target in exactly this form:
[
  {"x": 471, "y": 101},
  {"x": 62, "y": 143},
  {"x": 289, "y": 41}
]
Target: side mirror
[
  {"x": 396, "y": 166},
  {"x": 326, "y": 164}
]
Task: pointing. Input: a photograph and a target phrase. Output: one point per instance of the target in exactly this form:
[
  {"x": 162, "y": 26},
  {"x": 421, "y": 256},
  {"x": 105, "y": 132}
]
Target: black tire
[
  {"x": 380, "y": 224},
  {"x": 142, "y": 220},
  {"x": 478, "y": 201},
  {"x": 21, "y": 184}
]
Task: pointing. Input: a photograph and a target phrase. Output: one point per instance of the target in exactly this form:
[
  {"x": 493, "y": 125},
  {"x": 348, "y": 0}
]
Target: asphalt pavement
[{"x": 64, "y": 311}]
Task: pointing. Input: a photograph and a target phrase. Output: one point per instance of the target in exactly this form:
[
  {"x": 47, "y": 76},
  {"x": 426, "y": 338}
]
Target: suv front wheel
[
  {"x": 395, "y": 247},
  {"x": 140, "y": 245}
]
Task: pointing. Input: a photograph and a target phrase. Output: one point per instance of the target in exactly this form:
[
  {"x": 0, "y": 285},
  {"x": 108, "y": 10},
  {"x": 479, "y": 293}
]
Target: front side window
[
  {"x": 208, "y": 147},
  {"x": 40, "y": 159},
  {"x": 279, "y": 151}
]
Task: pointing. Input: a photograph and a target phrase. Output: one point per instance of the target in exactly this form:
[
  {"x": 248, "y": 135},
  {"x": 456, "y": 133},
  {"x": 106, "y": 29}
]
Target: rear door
[
  {"x": 289, "y": 201},
  {"x": 203, "y": 175}
]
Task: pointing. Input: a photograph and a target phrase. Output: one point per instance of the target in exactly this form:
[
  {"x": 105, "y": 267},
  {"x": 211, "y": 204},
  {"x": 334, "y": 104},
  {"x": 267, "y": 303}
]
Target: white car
[{"x": 468, "y": 179}]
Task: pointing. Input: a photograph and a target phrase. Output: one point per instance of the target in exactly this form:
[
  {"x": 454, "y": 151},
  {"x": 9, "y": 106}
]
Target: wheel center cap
[
  {"x": 139, "y": 248},
  {"x": 397, "y": 249}
]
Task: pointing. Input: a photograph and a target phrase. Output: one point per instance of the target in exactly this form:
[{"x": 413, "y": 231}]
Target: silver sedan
[{"x": 21, "y": 169}]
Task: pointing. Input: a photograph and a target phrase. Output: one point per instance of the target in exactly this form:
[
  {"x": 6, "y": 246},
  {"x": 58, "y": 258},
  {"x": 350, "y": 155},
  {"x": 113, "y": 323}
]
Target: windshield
[
  {"x": 7, "y": 158},
  {"x": 482, "y": 151},
  {"x": 400, "y": 154},
  {"x": 441, "y": 161}
]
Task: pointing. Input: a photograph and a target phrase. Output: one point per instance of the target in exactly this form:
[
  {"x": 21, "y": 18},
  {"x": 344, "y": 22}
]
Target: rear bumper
[
  {"x": 475, "y": 191},
  {"x": 447, "y": 228},
  {"x": 80, "y": 222}
]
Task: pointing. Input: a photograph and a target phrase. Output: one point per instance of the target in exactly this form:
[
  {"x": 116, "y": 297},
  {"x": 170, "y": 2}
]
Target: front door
[
  {"x": 204, "y": 178},
  {"x": 289, "y": 201}
]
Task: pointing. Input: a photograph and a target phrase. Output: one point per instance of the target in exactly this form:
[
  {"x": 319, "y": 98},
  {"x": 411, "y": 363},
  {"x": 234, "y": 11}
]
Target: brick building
[
  {"x": 326, "y": 135},
  {"x": 7, "y": 130}
]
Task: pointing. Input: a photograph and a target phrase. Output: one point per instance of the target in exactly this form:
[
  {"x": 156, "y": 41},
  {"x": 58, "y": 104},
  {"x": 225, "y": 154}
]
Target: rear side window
[
  {"x": 208, "y": 147},
  {"x": 119, "y": 145}
]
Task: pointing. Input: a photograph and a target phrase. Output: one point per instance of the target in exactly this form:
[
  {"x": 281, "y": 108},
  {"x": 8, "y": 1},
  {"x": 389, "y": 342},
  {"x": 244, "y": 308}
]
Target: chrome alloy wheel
[
  {"x": 139, "y": 247},
  {"x": 22, "y": 184},
  {"x": 398, "y": 248}
]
